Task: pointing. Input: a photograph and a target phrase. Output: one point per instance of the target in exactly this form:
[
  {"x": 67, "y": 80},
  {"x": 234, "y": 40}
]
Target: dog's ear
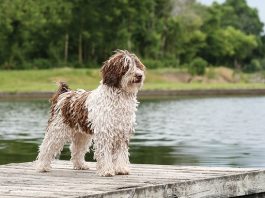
[
  {"x": 109, "y": 77},
  {"x": 110, "y": 74},
  {"x": 113, "y": 70}
]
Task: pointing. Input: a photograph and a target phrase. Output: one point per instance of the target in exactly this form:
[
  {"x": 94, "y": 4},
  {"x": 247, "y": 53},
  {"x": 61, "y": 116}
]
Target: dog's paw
[
  {"x": 109, "y": 173},
  {"x": 122, "y": 171},
  {"x": 83, "y": 166},
  {"x": 43, "y": 169}
]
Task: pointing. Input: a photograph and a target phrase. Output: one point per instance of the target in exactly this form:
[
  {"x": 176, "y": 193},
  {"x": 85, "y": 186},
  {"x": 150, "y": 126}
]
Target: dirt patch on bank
[{"x": 212, "y": 75}]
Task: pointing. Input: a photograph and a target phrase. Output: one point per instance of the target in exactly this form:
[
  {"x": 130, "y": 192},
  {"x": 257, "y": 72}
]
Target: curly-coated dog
[{"x": 105, "y": 116}]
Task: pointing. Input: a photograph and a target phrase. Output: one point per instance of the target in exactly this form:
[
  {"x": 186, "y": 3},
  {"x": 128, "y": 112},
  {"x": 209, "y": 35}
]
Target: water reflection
[
  {"x": 207, "y": 131},
  {"x": 12, "y": 151}
]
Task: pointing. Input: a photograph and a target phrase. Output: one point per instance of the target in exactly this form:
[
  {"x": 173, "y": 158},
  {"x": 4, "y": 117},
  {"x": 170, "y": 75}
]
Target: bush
[
  {"x": 253, "y": 66},
  {"x": 41, "y": 63},
  {"x": 161, "y": 63},
  {"x": 262, "y": 63},
  {"x": 197, "y": 66}
]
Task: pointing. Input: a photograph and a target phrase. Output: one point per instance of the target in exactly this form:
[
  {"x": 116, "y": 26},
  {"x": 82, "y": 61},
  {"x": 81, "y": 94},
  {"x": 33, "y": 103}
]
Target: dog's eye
[
  {"x": 125, "y": 69},
  {"x": 139, "y": 65}
]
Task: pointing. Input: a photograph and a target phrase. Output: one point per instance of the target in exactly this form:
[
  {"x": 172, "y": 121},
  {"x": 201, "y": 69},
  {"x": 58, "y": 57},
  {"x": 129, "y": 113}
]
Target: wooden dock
[{"x": 21, "y": 180}]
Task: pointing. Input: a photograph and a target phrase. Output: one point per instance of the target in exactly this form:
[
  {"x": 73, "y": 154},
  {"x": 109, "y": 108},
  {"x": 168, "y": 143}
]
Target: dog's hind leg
[
  {"x": 51, "y": 146},
  {"x": 79, "y": 146}
]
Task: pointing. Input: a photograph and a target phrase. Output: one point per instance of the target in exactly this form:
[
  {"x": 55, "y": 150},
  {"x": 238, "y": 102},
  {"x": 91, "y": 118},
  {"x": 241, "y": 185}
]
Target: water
[{"x": 197, "y": 131}]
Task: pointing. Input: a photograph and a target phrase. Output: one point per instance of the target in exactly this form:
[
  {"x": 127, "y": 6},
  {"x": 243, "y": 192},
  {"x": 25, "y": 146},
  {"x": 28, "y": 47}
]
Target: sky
[{"x": 258, "y": 4}]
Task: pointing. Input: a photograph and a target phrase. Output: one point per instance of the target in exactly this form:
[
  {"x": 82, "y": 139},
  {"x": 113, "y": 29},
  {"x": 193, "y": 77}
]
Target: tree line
[{"x": 165, "y": 33}]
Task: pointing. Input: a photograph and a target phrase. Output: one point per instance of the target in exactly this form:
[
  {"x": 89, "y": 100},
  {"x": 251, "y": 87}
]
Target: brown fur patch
[
  {"x": 113, "y": 70},
  {"x": 75, "y": 113},
  {"x": 139, "y": 64},
  {"x": 63, "y": 88}
]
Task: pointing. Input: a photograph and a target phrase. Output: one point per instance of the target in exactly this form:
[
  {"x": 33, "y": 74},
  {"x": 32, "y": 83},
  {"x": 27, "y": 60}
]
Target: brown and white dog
[{"x": 105, "y": 115}]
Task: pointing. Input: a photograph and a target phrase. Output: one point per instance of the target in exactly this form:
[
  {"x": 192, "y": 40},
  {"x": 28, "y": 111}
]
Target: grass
[
  {"x": 45, "y": 80},
  {"x": 197, "y": 86}
]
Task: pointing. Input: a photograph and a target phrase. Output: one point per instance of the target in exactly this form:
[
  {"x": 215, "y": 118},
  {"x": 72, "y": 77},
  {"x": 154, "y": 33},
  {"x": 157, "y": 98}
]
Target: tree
[
  {"x": 229, "y": 26},
  {"x": 238, "y": 14},
  {"x": 183, "y": 37},
  {"x": 31, "y": 30},
  {"x": 231, "y": 46},
  {"x": 48, "y": 33}
]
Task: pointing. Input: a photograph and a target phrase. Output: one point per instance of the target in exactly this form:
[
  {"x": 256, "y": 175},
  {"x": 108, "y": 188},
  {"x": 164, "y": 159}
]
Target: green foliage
[
  {"x": 253, "y": 66},
  {"x": 198, "y": 66},
  {"x": 154, "y": 64},
  {"x": 165, "y": 33},
  {"x": 234, "y": 34},
  {"x": 239, "y": 15},
  {"x": 41, "y": 63},
  {"x": 232, "y": 45},
  {"x": 262, "y": 63}
]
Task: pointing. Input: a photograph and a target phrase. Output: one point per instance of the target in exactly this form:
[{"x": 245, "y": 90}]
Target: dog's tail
[{"x": 62, "y": 88}]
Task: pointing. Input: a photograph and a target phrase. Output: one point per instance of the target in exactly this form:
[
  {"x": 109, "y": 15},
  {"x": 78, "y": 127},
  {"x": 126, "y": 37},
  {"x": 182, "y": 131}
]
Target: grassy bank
[{"x": 44, "y": 80}]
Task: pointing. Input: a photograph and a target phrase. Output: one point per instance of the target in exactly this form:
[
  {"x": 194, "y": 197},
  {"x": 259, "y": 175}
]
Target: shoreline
[{"x": 147, "y": 94}]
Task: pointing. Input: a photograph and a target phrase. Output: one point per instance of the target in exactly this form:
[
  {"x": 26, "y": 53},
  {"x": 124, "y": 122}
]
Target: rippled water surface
[{"x": 197, "y": 131}]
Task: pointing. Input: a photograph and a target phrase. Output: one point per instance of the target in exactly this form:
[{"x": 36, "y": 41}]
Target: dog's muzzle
[{"x": 138, "y": 78}]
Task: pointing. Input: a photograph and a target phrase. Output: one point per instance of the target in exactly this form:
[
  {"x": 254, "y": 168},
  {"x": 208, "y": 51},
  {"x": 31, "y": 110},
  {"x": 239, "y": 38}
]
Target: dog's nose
[{"x": 139, "y": 76}]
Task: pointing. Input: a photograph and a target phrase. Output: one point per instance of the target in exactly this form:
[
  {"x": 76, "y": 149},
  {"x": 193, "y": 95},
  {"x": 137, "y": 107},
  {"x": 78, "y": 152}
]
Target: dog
[{"x": 104, "y": 116}]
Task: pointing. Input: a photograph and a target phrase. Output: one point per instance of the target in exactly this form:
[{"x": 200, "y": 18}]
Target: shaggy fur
[{"x": 105, "y": 115}]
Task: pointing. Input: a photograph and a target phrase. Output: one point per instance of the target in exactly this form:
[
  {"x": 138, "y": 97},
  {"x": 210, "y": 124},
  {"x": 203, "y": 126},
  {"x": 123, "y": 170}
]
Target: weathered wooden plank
[
  {"x": 20, "y": 180},
  {"x": 60, "y": 164},
  {"x": 12, "y": 196},
  {"x": 144, "y": 168}
]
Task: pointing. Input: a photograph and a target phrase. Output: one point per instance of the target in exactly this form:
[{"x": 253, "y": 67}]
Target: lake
[{"x": 220, "y": 131}]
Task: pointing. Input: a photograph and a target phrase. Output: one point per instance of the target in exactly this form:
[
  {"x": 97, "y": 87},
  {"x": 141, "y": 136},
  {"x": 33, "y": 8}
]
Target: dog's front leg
[
  {"x": 103, "y": 155},
  {"x": 121, "y": 160}
]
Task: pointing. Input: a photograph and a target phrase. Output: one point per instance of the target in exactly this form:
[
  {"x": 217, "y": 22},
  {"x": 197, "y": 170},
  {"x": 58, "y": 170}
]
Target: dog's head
[{"x": 123, "y": 70}]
